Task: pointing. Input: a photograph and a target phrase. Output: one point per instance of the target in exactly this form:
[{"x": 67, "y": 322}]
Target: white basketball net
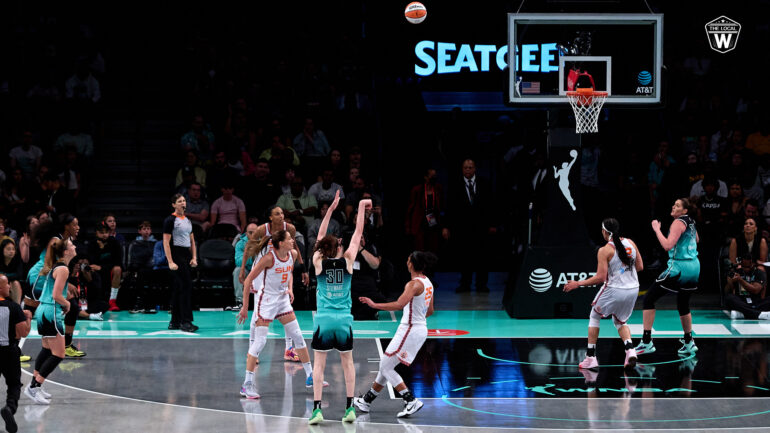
[{"x": 586, "y": 108}]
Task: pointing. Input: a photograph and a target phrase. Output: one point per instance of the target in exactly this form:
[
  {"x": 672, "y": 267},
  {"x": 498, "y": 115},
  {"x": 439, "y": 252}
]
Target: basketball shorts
[
  {"x": 332, "y": 331},
  {"x": 50, "y": 320},
  {"x": 407, "y": 342},
  {"x": 618, "y": 303},
  {"x": 680, "y": 275},
  {"x": 272, "y": 306}
]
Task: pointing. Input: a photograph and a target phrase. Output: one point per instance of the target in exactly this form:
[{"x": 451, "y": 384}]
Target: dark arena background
[{"x": 108, "y": 110}]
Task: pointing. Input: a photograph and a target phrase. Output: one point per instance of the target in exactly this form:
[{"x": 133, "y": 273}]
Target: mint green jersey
[{"x": 334, "y": 286}]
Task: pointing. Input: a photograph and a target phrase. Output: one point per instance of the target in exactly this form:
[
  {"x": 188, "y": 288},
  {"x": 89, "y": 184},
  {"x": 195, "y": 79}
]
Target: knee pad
[
  {"x": 260, "y": 339},
  {"x": 252, "y": 329},
  {"x": 683, "y": 305},
  {"x": 388, "y": 370},
  {"x": 593, "y": 319},
  {"x": 380, "y": 379},
  {"x": 292, "y": 331}
]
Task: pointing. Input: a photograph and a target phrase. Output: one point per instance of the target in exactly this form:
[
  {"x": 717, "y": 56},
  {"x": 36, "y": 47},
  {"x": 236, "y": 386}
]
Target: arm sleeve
[{"x": 17, "y": 315}]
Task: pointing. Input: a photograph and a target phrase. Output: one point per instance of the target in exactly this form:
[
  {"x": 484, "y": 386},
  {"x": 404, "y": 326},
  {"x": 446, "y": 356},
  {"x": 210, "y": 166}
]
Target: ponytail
[
  {"x": 612, "y": 226},
  {"x": 54, "y": 251}
]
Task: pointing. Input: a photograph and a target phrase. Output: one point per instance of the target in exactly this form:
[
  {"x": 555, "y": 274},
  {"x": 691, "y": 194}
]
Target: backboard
[{"x": 551, "y": 54}]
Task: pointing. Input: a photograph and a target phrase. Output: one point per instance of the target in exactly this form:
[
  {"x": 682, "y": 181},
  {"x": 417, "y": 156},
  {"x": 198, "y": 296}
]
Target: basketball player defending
[
  {"x": 618, "y": 263},
  {"x": 417, "y": 303},
  {"x": 680, "y": 277},
  {"x": 333, "y": 321}
]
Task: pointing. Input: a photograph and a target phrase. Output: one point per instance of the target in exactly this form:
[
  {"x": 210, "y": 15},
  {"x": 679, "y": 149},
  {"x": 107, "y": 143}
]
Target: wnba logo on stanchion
[{"x": 540, "y": 280}]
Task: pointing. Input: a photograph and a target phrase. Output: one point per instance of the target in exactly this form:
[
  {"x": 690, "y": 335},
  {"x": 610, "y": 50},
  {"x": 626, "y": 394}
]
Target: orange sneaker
[{"x": 290, "y": 355}]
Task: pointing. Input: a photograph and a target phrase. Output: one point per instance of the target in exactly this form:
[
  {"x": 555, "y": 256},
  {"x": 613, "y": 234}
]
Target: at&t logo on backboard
[
  {"x": 644, "y": 78},
  {"x": 723, "y": 34}
]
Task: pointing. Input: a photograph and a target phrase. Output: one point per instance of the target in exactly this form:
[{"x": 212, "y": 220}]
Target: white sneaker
[
  {"x": 765, "y": 315},
  {"x": 410, "y": 408},
  {"x": 734, "y": 315},
  {"x": 35, "y": 395},
  {"x": 248, "y": 390},
  {"x": 96, "y": 316},
  {"x": 43, "y": 392},
  {"x": 361, "y": 404}
]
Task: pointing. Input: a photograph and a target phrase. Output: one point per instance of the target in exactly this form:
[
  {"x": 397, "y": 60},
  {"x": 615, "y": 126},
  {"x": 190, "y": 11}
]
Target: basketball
[
  {"x": 415, "y": 12},
  {"x": 573, "y": 153}
]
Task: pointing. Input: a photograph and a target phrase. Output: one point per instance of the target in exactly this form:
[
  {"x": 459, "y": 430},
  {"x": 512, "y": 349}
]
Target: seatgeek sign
[{"x": 450, "y": 58}]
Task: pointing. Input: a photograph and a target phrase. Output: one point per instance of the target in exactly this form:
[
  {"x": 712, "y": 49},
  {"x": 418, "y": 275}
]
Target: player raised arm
[{"x": 352, "y": 250}]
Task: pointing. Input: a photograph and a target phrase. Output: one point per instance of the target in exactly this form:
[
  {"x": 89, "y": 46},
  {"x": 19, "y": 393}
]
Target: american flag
[{"x": 530, "y": 87}]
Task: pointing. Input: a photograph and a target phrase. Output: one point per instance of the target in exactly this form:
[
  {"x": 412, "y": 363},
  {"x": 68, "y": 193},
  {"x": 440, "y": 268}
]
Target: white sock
[
  {"x": 288, "y": 343},
  {"x": 628, "y": 341},
  {"x": 592, "y": 346},
  {"x": 249, "y": 376},
  {"x": 765, "y": 315},
  {"x": 114, "y": 293},
  {"x": 308, "y": 368}
]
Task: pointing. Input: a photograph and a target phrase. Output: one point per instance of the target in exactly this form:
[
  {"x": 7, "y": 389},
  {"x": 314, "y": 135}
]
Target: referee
[
  {"x": 14, "y": 324},
  {"x": 179, "y": 246}
]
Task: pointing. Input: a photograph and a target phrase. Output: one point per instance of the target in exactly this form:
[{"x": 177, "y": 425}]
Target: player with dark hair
[
  {"x": 417, "y": 303},
  {"x": 618, "y": 262},
  {"x": 680, "y": 277},
  {"x": 333, "y": 321}
]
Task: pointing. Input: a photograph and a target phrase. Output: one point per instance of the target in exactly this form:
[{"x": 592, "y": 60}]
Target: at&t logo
[
  {"x": 644, "y": 79},
  {"x": 540, "y": 280}
]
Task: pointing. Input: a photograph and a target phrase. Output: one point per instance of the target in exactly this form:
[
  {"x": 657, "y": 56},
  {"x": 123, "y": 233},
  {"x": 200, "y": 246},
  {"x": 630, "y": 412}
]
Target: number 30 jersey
[{"x": 334, "y": 286}]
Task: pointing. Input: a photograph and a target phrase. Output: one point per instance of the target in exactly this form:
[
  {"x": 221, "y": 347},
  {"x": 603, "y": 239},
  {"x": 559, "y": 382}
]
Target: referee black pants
[
  {"x": 10, "y": 368},
  {"x": 181, "y": 290}
]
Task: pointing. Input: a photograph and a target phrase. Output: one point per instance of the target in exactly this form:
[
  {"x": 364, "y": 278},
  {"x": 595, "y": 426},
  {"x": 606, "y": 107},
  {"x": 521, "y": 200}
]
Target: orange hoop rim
[{"x": 586, "y": 92}]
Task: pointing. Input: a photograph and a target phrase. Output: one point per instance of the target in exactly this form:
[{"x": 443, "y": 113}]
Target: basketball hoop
[{"x": 586, "y": 103}]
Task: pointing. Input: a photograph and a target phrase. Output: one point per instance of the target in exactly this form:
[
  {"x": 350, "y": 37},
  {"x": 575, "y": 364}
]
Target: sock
[
  {"x": 406, "y": 395},
  {"x": 41, "y": 357},
  {"x": 628, "y": 344},
  {"x": 288, "y": 343},
  {"x": 67, "y": 339},
  {"x": 647, "y": 336},
  {"x": 34, "y": 383},
  {"x": 249, "y": 376},
  {"x": 591, "y": 350},
  {"x": 308, "y": 369},
  {"x": 114, "y": 293},
  {"x": 370, "y": 395},
  {"x": 687, "y": 337},
  {"x": 316, "y": 404},
  {"x": 349, "y": 402},
  {"x": 49, "y": 365},
  {"x": 765, "y": 315}
]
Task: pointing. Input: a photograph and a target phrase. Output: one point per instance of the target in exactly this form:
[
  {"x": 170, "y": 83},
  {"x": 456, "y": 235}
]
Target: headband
[{"x": 605, "y": 229}]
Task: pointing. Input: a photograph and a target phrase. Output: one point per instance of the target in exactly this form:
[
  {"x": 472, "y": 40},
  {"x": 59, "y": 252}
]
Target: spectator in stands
[
  {"x": 27, "y": 157},
  {"x": 7, "y": 232},
  {"x": 82, "y": 282},
  {"x": 106, "y": 256},
  {"x": 350, "y": 179},
  {"x": 199, "y": 139},
  {"x": 57, "y": 199},
  {"x": 736, "y": 202},
  {"x": 749, "y": 242},
  {"x": 11, "y": 267},
  {"x": 363, "y": 283},
  {"x": 326, "y": 188},
  {"x": 298, "y": 205},
  {"x": 745, "y": 173},
  {"x": 145, "y": 232},
  {"x": 77, "y": 138},
  {"x": 692, "y": 173},
  {"x": 16, "y": 192},
  {"x": 218, "y": 174},
  {"x": 745, "y": 291},
  {"x": 197, "y": 208},
  {"x": 238, "y": 129},
  {"x": 659, "y": 167},
  {"x": 470, "y": 222},
  {"x": 140, "y": 261},
  {"x": 191, "y": 164},
  {"x": 709, "y": 171},
  {"x": 279, "y": 156},
  {"x": 240, "y": 246},
  {"x": 720, "y": 141},
  {"x": 424, "y": 214},
  {"x": 69, "y": 172},
  {"x": 759, "y": 142},
  {"x": 311, "y": 142},
  {"x": 354, "y": 158},
  {"x": 338, "y": 167},
  {"x": 357, "y": 194},
  {"x": 259, "y": 191},
  {"x": 228, "y": 209},
  {"x": 712, "y": 211},
  {"x": 288, "y": 178},
  {"x": 112, "y": 223},
  {"x": 82, "y": 86},
  {"x": 312, "y": 230}
]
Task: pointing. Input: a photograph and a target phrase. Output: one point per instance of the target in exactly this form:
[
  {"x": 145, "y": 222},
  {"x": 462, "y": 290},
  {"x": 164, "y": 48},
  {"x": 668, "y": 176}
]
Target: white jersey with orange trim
[
  {"x": 619, "y": 275},
  {"x": 415, "y": 311},
  {"x": 259, "y": 280},
  {"x": 276, "y": 278}
]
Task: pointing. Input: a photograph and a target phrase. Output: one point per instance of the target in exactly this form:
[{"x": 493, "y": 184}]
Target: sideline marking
[
  {"x": 483, "y": 355},
  {"x": 387, "y": 385}
]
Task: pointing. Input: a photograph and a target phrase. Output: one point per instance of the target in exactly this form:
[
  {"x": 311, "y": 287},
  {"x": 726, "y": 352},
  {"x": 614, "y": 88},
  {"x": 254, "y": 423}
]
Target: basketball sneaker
[
  {"x": 589, "y": 362},
  {"x": 290, "y": 355},
  {"x": 316, "y": 417},
  {"x": 113, "y": 305},
  {"x": 72, "y": 352},
  {"x": 590, "y": 376},
  {"x": 43, "y": 392},
  {"x": 630, "y": 361},
  {"x": 249, "y": 391},
  {"x": 96, "y": 316},
  {"x": 410, "y": 408},
  {"x": 361, "y": 404},
  {"x": 644, "y": 348},
  {"x": 687, "y": 348},
  {"x": 309, "y": 383},
  {"x": 10, "y": 422},
  {"x": 736, "y": 315},
  {"x": 350, "y": 415},
  {"x": 24, "y": 358},
  {"x": 35, "y": 395}
]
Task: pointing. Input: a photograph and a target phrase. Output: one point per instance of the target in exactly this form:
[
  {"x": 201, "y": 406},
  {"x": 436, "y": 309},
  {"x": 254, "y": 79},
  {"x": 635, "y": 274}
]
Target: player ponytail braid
[{"x": 612, "y": 226}]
